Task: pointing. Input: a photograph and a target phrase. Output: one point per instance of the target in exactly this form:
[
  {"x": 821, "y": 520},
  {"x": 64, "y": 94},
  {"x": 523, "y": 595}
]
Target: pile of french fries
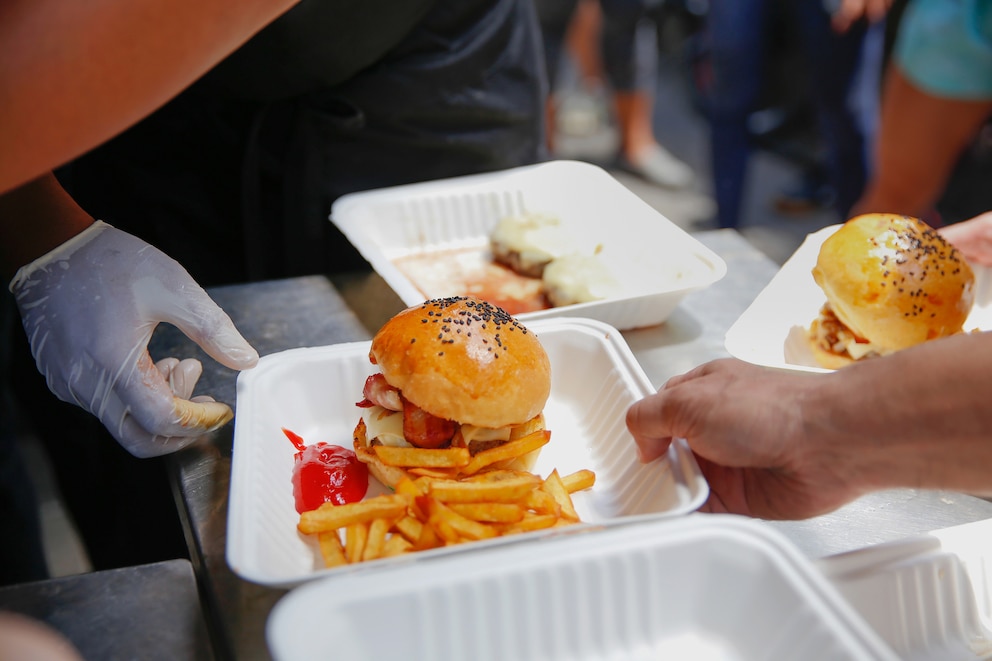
[{"x": 445, "y": 497}]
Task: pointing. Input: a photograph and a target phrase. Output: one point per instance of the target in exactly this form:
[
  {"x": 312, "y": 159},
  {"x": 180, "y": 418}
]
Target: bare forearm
[
  {"x": 73, "y": 74},
  {"x": 34, "y": 218},
  {"x": 920, "y": 418}
]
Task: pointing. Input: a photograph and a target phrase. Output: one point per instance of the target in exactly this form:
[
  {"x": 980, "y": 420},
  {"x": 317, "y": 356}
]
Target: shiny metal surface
[
  {"x": 312, "y": 311},
  {"x": 149, "y": 612},
  {"x": 273, "y": 316}
]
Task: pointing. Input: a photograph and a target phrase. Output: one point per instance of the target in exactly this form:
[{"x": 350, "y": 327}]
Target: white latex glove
[{"x": 89, "y": 308}]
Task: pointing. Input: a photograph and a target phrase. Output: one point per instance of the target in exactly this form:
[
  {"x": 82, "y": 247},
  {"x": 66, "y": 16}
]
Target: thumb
[{"x": 192, "y": 311}]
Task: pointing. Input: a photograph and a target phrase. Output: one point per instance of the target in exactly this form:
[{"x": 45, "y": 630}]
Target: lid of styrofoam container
[
  {"x": 928, "y": 596},
  {"x": 698, "y": 587}
]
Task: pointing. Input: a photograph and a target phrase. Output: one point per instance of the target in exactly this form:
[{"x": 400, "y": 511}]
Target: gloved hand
[{"x": 89, "y": 308}]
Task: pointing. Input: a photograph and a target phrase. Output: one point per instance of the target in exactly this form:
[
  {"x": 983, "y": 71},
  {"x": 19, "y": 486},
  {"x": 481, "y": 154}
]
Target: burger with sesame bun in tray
[
  {"x": 891, "y": 282},
  {"x": 453, "y": 372}
]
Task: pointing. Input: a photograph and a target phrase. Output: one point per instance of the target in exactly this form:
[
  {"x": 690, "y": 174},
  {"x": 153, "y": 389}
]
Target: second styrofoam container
[
  {"x": 702, "y": 587},
  {"x": 312, "y": 391},
  {"x": 460, "y": 213},
  {"x": 929, "y": 596}
]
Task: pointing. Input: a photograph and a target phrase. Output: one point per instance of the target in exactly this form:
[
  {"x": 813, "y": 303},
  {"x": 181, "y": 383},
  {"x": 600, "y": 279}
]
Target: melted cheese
[
  {"x": 386, "y": 427},
  {"x": 471, "y": 434}
]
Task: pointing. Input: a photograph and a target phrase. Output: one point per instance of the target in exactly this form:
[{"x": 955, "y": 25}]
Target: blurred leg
[
  {"x": 834, "y": 61},
  {"x": 631, "y": 77},
  {"x": 736, "y": 41}
]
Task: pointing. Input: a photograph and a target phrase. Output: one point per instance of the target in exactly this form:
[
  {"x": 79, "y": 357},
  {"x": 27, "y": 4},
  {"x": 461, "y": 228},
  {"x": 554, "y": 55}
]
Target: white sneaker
[{"x": 660, "y": 167}]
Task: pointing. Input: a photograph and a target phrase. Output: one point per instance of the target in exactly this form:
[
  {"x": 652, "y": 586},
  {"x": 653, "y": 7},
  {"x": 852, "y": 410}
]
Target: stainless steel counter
[
  {"x": 150, "y": 612},
  {"x": 311, "y": 312}
]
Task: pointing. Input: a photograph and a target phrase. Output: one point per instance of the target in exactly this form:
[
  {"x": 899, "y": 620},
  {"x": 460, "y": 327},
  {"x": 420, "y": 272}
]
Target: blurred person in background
[
  {"x": 235, "y": 178},
  {"x": 936, "y": 99},
  {"x": 737, "y": 41},
  {"x": 602, "y": 37}
]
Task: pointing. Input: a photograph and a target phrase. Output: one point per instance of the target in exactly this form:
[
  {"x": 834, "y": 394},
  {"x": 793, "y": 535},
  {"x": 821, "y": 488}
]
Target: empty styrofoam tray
[
  {"x": 701, "y": 587},
  {"x": 313, "y": 391},
  {"x": 772, "y": 331},
  {"x": 929, "y": 597},
  {"x": 655, "y": 262}
]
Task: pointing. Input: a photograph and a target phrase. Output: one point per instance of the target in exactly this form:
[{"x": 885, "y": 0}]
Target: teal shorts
[{"x": 944, "y": 47}]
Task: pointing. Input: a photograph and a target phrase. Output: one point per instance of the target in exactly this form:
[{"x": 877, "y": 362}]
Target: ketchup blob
[{"x": 325, "y": 473}]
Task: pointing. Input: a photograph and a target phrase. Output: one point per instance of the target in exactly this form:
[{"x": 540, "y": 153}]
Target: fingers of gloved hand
[
  {"x": 145, "y": 395},
  {"x": 186, "y": 305},
  {"x": 181, "y": 375},
  {"x": 133, "y": 437},
  {"x": 140, "y": 442}
]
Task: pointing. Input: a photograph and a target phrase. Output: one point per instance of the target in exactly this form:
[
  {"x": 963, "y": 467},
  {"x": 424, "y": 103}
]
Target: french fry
[
  {"x": 529, "y": 523},
  {"x": 505, "y": 491},
  {"x": 435, "y": 473},
  {"x": 428, "y": 538},
  {"x": 396, "y": 545},
  {"x": 579, "y": 480},
  {"x": 355, "y": 537},
  {"x": 490, "y": 512},
  {"x": 331, "y": 549},
  {"x": 409, "y": 527},
  {"x": 331, "y": 517},
  {"x": 501, "y": 474},
  {"x": 422, "y": 458},
  {"x": 437, "y": 521},
  {"x": 445, "y": 497},
  {"x": 388, "y": 475},
  {"x": 554, "y": 486},
  {"x": 508, "y": 450},
  {"x": 451, "y": 526},
  {"x": 376, "y": 539},
  {"x": 540, "y": 501}
]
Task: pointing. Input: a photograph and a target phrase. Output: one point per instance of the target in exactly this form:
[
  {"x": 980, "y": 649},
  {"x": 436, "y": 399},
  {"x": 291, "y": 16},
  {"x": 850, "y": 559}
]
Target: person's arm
[
  {"x": 35, "y": 218},
  {"x": 973, "y": 237},
  {"x": 783, "y": 445},
  {"x": 73, "y": 74}
]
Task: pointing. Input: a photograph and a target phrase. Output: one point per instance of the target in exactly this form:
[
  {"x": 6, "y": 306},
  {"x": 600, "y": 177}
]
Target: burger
[
  {"x": 891, "y": 282},
  {"x": 452, "y": 372},
  {"x": 527, "y": 243}
]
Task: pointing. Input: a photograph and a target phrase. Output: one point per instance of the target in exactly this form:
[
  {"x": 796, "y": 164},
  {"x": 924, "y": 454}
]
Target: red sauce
[
  {"x": 472, "y": 272},
  {"x": 325, "y": 473}
]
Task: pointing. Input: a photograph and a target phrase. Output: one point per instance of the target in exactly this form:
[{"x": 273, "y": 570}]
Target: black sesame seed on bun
[
  {"x": 465, "y": 360},
  {"x": 891, "y": 282}
]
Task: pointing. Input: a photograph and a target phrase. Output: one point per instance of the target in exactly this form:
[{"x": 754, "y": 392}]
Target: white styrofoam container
[
  {"x": 772, "y": 330},
  {"x": 312, "y": 391},
  {"x": 460, "y": 213},
  {"x": 701, "y": 587},
  {"x": 929, "y": 597}
]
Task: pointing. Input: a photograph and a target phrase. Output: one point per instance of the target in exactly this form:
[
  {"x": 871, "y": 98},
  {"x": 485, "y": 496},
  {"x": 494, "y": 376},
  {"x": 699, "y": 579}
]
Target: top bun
[
  {"x": 894, "y": 281},
  {"x": 465, "y": 360}
]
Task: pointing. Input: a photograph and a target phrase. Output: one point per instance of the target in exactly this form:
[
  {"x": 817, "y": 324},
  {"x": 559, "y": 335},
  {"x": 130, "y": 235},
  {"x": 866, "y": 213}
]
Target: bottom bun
[
  {"x": 830, "y": 360},
  {"x": 390, "y": 476}
]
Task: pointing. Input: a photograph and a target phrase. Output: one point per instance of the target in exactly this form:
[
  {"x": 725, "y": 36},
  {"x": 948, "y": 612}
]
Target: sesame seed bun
[
  {"x": 465, "y": 360},
  {"x": 894, "y": 282}
]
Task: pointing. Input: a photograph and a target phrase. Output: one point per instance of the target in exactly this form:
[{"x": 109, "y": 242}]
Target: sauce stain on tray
[{"x": 472, "y": 272}]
